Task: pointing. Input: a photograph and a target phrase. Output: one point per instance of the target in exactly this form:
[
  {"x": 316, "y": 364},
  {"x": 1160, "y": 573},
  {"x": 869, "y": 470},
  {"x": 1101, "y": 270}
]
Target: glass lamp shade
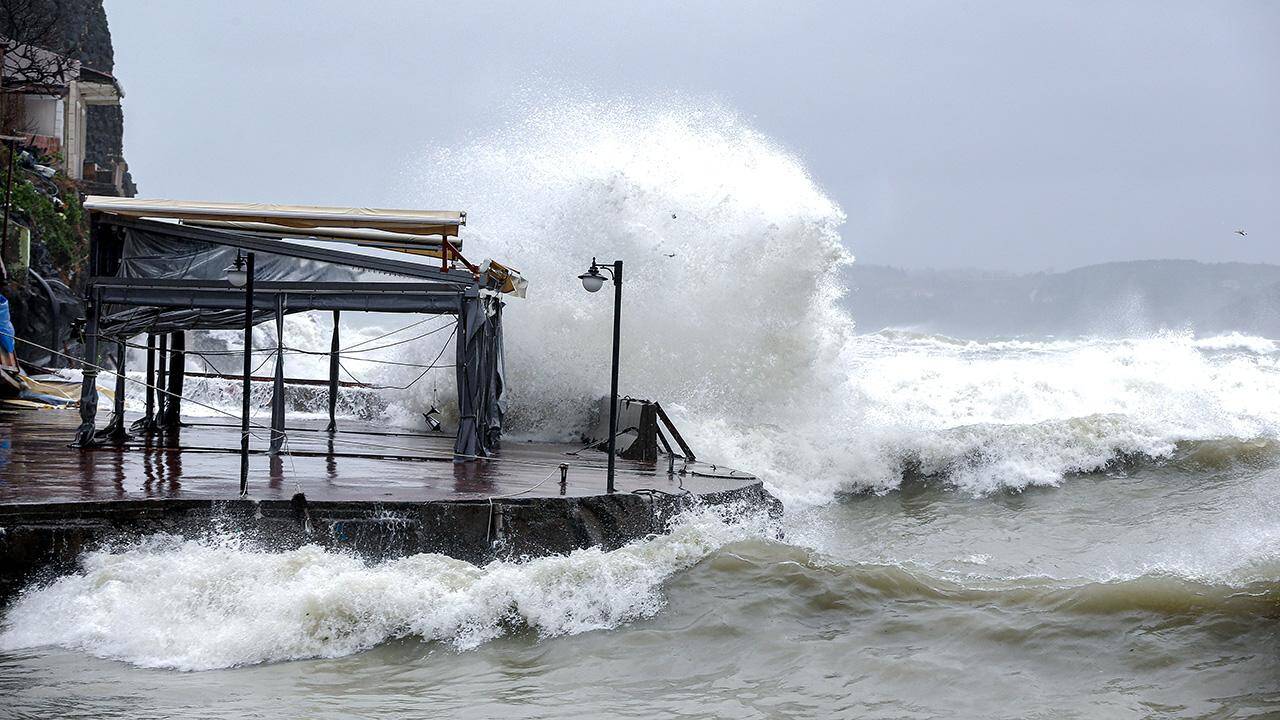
[
  {"x": 237, "y": 276},
  {"x": 592, "y": 281}
]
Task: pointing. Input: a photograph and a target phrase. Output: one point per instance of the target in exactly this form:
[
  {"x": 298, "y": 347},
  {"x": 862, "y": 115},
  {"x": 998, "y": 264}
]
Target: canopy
[
  {"x": 412, "y": 222},
  {"x": 168, "y": 278},
  {"x": 419, "y": 244}
]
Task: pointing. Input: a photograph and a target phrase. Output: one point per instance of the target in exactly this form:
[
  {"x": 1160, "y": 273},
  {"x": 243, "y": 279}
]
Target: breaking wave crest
[
  {"x": 734, "y": 318},
  {"x": 221, "y": 602},
  {"x": 215, "y": 603}
]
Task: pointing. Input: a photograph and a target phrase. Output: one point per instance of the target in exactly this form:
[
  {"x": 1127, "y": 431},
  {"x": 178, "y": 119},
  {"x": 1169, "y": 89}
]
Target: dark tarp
[
  {"x": 156, "y": 256},
  {"x": 481, "y": 372},
  {"x": 170, "y": 256}
]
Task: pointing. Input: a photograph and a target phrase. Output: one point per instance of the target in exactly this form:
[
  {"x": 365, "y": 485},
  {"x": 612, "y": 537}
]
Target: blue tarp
[{"x": 6, "y": 326}]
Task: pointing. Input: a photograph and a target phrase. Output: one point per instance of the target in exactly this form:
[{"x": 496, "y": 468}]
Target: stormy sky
[{"x": 1002, "y": 135}]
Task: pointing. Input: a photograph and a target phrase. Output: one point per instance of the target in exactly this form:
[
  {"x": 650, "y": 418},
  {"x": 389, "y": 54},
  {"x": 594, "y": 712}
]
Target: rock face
[{"x": 45, "y": 304}]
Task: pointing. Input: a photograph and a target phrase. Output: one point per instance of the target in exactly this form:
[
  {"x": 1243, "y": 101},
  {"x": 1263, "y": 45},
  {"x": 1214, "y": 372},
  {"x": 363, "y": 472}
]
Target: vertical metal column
[
  {"x": 118, "y": 433},
  {"x": 176, "y": 377},
  {"x": 89, "y": 385},
  {"x": 277, "y": 387},
  {"x": 613, "y": 382},
  {"x": 149, "y": 419},
  {"x": 334, "y": 347},
  {"x": 162, "y": 384},
  {"x": 248, "y": 368}
]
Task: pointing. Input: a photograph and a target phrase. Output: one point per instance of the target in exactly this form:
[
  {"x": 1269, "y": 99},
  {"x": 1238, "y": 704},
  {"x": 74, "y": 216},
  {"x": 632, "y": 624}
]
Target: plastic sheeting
[
  {"x": 155, "y": 256},
  {"x": 6, "y": 326},
  {"x": 481, "y": 371}
]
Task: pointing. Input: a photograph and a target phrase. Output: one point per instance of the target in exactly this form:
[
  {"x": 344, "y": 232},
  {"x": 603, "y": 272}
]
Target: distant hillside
[{"x": 1108, "y": 299}]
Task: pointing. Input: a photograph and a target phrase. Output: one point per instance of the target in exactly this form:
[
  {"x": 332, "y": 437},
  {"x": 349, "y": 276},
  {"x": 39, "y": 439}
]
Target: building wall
[{"x": 41, "y": 115}]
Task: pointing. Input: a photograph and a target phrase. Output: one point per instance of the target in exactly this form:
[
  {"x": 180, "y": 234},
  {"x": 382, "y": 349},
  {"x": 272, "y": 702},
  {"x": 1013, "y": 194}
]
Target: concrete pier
[{"x": 377, "y": 493}]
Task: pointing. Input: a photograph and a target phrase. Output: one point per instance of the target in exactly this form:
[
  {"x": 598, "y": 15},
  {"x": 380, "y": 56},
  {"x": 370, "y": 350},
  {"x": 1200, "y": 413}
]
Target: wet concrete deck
[
  {"x": 361, "y": 463},
  {"x": 367, "y": 490}
]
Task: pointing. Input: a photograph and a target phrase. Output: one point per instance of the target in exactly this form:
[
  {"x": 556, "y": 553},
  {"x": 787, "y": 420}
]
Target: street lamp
[
  {"x": 240, "y": 274},
  {"x": 592, "y": 281}
]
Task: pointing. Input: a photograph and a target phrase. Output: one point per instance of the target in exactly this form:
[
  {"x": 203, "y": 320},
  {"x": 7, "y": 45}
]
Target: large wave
[
  {"x": 197, "y": 604},
  {"x": 733, "y": 318}
]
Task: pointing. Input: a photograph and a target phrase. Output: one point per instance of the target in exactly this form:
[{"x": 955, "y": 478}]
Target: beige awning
[
  {"x": 412, "y": 222},
  {"x": 356, "y": 236}
]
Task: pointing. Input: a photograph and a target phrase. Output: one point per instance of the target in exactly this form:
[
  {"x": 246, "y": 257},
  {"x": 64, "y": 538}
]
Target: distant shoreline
[{"x": 1107, "y": 299}]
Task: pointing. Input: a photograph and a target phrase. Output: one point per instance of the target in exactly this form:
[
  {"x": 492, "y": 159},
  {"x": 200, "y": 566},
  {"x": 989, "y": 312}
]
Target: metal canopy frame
[
  {"x": 422, "y": 289},
  {"x": 258, "y": 243}
]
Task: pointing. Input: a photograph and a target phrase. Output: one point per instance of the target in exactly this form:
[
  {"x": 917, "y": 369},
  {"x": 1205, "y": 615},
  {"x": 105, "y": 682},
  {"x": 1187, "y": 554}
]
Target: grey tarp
[
  {"x": 480, "y": 371},
  {"x": 170, "y": 278},
  {"x": 156, "y": 256}
]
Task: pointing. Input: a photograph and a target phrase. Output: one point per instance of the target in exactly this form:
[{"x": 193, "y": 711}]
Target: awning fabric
[
  {"x": 412, "y": 222},
  {"x": 369, "y": 238}
]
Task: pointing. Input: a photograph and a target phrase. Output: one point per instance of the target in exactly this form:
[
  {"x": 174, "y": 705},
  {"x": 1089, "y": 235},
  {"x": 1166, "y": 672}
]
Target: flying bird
[
  {"x": 1241, "y": 233},
  {"x": 669, "y": 254}
]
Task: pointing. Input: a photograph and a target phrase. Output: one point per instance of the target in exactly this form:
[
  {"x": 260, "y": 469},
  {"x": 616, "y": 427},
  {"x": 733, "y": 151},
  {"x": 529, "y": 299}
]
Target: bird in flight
[{"x": 1241, "y": 233}]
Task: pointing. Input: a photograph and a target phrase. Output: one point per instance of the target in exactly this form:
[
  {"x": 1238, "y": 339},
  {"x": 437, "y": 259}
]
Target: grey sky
[{"x": 1011, "y": 135}]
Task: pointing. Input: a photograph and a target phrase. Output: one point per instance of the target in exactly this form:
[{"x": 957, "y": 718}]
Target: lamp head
[
  {"x": 592, "y": 280},
  {"x": 236, "y": 273}
]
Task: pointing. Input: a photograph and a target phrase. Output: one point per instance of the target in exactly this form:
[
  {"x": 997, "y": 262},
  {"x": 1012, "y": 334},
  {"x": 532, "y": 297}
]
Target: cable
[
  {"x": 143, "y": 383},
  {"x": 381, "y": 347},
  {"x": 421, "y": 375},
  {"x": 389, "y": 334}
]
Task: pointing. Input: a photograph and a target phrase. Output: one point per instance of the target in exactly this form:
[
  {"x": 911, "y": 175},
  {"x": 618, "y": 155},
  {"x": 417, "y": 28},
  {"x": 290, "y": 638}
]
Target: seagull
[
  {"x": 1241, "y": 233},
  {"x": 669, "y": 254}
]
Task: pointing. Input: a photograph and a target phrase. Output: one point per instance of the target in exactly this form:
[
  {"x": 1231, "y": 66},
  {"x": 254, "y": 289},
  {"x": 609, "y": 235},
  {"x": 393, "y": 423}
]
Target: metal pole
[
  {"x": 334, "y": 347},
  {"x": 613, "y": 383},
  {"x": 149, "y": 417},
  {"x": 248, "y": 369},
  {"x": 277, "y": 385},
  {"x": 8, "y": 198},
  {"x": 162, "y": 380}
]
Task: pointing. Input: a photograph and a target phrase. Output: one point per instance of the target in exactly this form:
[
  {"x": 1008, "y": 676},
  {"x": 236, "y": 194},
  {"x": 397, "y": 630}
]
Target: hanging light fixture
[
  {"x": 236, "y": 273},
  {"x": 432, "y": 422}
]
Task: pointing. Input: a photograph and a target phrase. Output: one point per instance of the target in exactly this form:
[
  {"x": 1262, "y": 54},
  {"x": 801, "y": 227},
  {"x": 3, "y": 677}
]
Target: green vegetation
[{"x": 59, "y": 226}]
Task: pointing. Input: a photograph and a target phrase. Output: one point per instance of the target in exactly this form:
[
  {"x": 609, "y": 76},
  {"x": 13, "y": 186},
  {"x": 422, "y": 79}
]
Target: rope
[
  {"x": 302, "y": 351},
  {"x": 379, "y": 347},
  {"x": 389, "y": 334},
  {"x": 421, "y": 375},
  {"x": 488, "y": 533},
  {"x": 143, "y": 383}
]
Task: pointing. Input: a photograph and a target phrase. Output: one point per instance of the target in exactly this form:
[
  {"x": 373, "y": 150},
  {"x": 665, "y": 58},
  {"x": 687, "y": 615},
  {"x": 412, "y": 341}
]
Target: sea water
[{"x": 999, "y": 527}]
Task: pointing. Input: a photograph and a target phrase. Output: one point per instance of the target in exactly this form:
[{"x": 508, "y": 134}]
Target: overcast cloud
[{"x": 1009, "y": 135}]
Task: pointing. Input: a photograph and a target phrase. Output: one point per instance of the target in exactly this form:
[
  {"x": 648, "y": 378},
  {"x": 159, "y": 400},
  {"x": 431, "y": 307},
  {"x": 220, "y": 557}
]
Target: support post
[
  {"x": 176, "y": 376},
  {"x": 162, "y": 383},
  {"x": 151, "y": 381},
  {"x": 248, "y": 368},
  {"x": 334, "y": 347},
  {"x": 89, "y": 385},
  {"x": 147, "y": 423},
  {"x": 613, "y": 381},
  {"x": 277, "y": 387},
  {"x": 115, "y": 430}
]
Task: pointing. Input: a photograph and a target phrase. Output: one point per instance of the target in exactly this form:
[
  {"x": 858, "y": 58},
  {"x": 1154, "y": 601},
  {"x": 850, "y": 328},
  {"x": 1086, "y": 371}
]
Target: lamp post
[
  {"x": 240, "y": 274},
  {"x": 592, "y": 281}
]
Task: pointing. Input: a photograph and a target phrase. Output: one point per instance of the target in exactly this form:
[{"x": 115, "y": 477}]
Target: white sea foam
[
  {"x": 733, "y": 318},
  {"x": 202, "y": 604}
]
